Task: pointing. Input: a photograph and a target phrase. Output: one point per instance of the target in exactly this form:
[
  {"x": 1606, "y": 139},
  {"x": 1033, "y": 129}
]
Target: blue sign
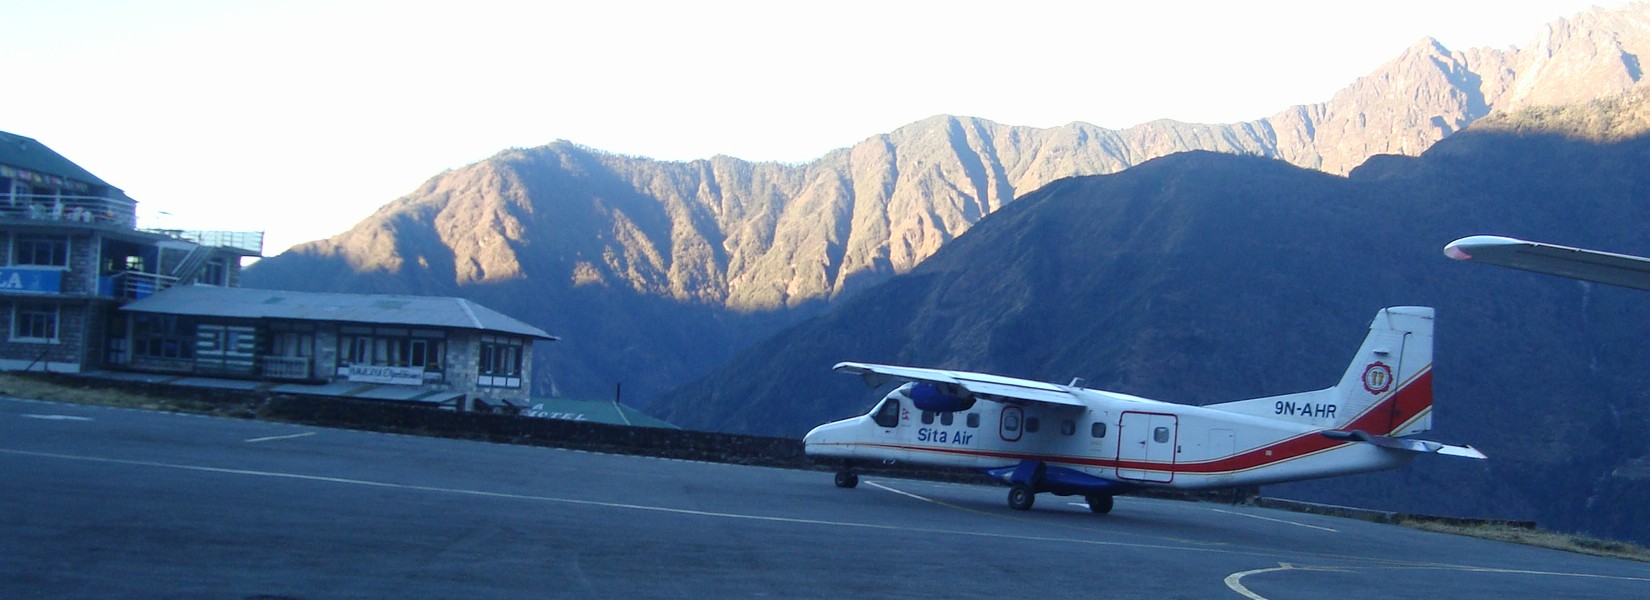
[{"x": 38, "y": 281}]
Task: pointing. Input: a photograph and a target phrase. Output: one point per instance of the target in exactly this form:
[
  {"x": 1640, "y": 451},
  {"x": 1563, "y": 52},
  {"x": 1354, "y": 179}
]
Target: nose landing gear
[{"x": 847, "y": 479}]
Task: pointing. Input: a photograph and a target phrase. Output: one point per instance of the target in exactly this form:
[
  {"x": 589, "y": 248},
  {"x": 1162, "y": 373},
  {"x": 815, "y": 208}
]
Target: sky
[{"x": 299, "y": 118}]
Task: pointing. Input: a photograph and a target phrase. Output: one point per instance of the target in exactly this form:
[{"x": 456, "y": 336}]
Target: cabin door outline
[{"x": 1144, "y": 437}]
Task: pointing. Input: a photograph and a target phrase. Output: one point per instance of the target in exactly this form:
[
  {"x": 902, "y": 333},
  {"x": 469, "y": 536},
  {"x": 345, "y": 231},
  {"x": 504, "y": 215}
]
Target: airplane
[
  {"x": 1069, "y": 440},
  {"x": 1591, "y": 265}
]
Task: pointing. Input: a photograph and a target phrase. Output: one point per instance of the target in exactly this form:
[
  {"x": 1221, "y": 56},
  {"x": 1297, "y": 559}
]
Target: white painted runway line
[
  {"x": 1228, "y": 512},
  {"x": 57, "y": 417},
  {"x": 626, "y": 506},
  {"x": 279, "y": 437}
]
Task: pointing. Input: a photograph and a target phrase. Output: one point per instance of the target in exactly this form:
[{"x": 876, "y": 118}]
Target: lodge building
[
  {"x": 83, "y": 289},
  {"x": 429, "y": 349}
]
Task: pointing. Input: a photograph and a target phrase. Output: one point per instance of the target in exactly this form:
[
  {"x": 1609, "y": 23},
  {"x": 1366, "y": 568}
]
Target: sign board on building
[
  {"x": 539, "y": 411},
  {"x": 39, "y": 281},
  {"x": 386, "y": 375}
]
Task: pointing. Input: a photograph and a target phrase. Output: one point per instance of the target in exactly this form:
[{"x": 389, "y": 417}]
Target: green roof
[
  {"x": 595, "y": 411},
  {"x": 25, "y": 153}
]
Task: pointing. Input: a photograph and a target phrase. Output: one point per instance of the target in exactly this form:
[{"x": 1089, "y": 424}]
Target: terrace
[{"x": 118, "y": 212}]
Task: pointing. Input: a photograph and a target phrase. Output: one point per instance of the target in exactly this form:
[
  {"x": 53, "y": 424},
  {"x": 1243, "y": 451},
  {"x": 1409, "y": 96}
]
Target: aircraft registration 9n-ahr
[{"x": 1069, "y": 440}]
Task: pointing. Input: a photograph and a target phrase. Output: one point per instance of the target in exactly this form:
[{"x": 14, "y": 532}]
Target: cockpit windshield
[{"x": 887, "y": 413}]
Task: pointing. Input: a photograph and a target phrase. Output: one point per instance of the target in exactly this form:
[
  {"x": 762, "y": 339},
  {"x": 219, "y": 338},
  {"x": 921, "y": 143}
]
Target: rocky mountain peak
[{"x": 742, "y": 244}]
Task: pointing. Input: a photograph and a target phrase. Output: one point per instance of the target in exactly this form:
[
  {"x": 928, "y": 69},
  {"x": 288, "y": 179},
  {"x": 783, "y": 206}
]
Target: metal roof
[
  {"x": 379, "y": 309},
  {"x": 26, "y": 153}
]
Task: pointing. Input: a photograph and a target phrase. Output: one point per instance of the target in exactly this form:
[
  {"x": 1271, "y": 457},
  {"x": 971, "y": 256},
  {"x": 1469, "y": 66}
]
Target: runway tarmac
[{"x": 101, "y": 502}]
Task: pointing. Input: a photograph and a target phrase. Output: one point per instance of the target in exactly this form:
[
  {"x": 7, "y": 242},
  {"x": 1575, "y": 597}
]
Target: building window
[
  {"x": 500, "y": 362},
  {"x": 40, "y": 251},
  {"x": 162, "y": 336},
  {"x": 392, "y": 347},
  {"x": 34, "y": 322}
]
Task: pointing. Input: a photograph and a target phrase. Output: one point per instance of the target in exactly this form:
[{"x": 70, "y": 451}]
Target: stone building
[
  {"x": 82, "y": 288},
  {"x": 429, "y": 349},
  {"x": 71, "y": 253}
]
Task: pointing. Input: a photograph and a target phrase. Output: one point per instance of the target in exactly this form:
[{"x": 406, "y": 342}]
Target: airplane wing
[
  {"x": 1590, "y": 265},
  {"x": 1411, "y": 445},
  {"x": 979, "y": 385}
]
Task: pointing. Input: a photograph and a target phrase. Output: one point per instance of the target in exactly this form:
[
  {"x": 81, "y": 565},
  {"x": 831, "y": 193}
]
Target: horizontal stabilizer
[{"x": 1408, "y": 445}]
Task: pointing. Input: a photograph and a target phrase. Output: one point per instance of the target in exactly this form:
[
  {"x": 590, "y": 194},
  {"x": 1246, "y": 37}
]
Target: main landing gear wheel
[
  {"x": 846, "y": 479},
  {"x": 1100, "y": 504},
  {"x": 1021, "y": 497}
]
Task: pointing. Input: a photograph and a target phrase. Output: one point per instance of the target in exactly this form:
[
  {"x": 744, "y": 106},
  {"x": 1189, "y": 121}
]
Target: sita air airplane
[{"x": 1070, "y": 440}]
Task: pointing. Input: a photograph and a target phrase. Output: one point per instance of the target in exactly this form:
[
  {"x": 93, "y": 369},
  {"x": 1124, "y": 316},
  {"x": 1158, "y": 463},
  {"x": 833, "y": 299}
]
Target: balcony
[
  {"x": 133, "y": 285},
  {"x": 246, "y": 241},
  {"x": 119, "y": 212}
]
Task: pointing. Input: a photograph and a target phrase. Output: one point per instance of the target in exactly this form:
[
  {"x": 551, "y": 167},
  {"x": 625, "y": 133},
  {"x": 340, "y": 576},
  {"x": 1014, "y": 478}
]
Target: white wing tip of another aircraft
[{"x": 1463, "y": 248}]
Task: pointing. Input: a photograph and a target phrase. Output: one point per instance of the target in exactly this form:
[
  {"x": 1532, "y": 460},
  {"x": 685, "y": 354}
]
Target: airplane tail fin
[{"x": 1387, "y": 388}]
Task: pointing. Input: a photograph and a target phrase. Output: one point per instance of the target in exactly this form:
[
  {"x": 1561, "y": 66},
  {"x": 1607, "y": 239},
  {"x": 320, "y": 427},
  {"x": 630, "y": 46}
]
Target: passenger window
[
  {"x": 1011, "y": 422},
  {"x": 927, "y": 417},
  {"x": 887, "y": 415},
  {"x": 1068, "y": 427},
  {"x": 947, "y": 418},
  {"x": 1161, "y": 435},
  {"x": 1098, "y": 429},
  {"x": 973, "y": 419},
  {"x": 1032, "y": 424}
]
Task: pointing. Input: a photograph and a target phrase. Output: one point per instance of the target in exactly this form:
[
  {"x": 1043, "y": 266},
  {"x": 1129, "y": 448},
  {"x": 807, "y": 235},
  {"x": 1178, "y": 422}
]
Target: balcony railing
[
  {"x": 133, "y": 285},
  {"x": 285, "y": 367},
  {"x": 75, "y": 209},
  {"x": 250, "y": 241}
]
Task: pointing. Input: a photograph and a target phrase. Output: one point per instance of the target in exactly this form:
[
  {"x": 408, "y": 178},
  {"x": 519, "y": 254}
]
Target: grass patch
[
  {"x": 1568, "y": 542},
  {"x": 69, "y": 390}
]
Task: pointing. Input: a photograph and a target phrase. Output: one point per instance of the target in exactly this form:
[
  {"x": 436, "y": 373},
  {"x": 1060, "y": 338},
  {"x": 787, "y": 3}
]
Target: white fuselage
[{"x": 1115, "y": 437}]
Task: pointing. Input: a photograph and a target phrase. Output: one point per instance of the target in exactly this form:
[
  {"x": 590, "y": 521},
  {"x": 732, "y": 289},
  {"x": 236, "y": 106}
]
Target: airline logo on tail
[{"x": 1377, "y": 378}]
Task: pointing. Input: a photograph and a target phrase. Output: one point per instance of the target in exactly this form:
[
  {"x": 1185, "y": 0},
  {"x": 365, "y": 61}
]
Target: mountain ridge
[
  {"x": 555, "y": 230},
  {"x": 1202, "y": 277}
]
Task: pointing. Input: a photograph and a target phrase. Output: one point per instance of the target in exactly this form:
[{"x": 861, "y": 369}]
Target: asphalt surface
[{"x": 99, "y": 502}]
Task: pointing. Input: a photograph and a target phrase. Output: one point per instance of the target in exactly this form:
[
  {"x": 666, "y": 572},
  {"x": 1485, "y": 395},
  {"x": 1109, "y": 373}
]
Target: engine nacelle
[{"x": 926, "y": 396}]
